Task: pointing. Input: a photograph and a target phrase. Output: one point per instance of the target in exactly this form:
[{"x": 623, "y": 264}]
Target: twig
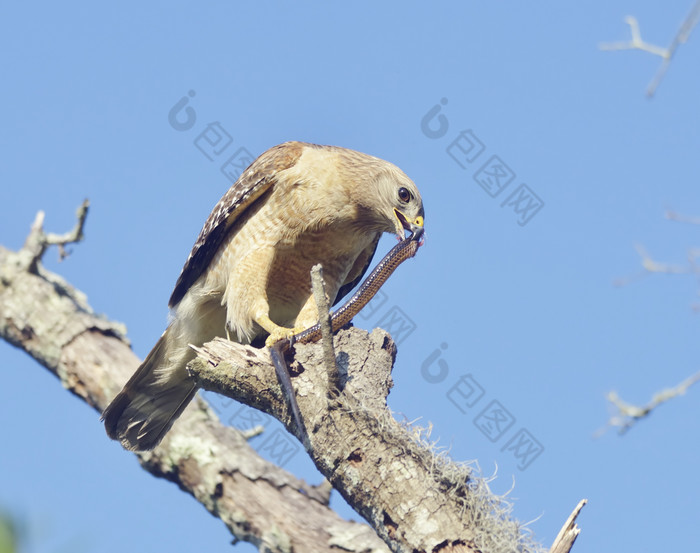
[
  {"x": 681, "y": 37},
  {"x": 217, "y": 466},
  {"x": 38, "y": 241},
  {"x": 651, "y": 266},
  {"x": 636, "y": 43},
  {"x": 251, "y": 433},
  {"x": 627, "y": 414},
  {"x": 674, "y": 216},
  {"x": 324, "y": 318},
  {"x": 213, "y": 463},
  {"x": 569, "y": 532},
  {"x": 74, "y": 235}
]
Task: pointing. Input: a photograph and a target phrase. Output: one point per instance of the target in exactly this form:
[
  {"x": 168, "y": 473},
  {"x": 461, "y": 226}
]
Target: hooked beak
[{"x": 415, "y": 226}]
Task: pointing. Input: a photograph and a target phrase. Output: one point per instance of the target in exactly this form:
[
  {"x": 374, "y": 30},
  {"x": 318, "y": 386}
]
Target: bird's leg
[
  {"x": 277, "y": 342},
  {"x": 275, "y": 331}
]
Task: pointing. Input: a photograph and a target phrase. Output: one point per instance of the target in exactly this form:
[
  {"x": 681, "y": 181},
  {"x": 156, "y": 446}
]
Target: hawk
[{"x": 248, "y": 275}]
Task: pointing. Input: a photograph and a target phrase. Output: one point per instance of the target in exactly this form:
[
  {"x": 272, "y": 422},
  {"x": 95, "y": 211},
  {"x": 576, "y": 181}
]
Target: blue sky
[{"x": 520, "y": 318}]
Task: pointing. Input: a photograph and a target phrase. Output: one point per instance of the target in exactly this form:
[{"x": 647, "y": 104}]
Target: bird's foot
[
  {"x": 275, "y": 331},
  {"x": 282, "y": 333}
]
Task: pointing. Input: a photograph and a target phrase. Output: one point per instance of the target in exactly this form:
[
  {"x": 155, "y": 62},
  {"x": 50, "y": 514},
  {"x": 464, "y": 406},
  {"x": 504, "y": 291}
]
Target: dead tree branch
[
  {"x": 636, "y": 43},
  {"x": 415, "y": 500},
  {"x": 258, "y": 501},
  {"x": 569, "y": 532},
  {"x": 627, "y": 415}
]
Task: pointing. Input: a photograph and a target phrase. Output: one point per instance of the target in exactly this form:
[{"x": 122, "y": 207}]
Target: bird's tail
[{"x": 160, "y": 389}]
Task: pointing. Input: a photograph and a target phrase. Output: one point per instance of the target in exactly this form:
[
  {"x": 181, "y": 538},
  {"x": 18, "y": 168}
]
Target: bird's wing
[
  {"x": 255, "y": 181},
  {"x": 358, "y": 270}
]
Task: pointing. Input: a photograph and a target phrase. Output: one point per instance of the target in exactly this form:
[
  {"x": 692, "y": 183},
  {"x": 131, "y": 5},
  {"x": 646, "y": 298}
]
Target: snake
[{"x": 402, "y": 251}]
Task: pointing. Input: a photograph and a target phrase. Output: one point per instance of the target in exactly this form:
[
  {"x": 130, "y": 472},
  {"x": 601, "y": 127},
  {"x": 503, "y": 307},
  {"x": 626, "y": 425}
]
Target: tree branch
[
  {"x": 569, "y": 532},
  {"x": 666, "y": 54},
  {"x": 628, "y": 415},
  {"x": 415, "y": 500},
  {"x": 259, "y": 502},
  {"x": 324, "y": 319}
]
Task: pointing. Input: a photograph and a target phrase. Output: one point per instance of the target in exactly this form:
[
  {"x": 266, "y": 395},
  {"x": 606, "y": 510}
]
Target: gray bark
[{"x": 414, "y": 500}]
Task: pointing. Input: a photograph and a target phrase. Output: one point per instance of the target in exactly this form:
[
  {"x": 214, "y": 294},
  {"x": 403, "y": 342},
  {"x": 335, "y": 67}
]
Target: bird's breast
[{"x": 268, "y": 256}]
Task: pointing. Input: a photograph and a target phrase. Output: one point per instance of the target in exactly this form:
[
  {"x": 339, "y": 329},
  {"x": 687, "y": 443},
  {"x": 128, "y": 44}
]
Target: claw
[{"x": 281, "y": 333}]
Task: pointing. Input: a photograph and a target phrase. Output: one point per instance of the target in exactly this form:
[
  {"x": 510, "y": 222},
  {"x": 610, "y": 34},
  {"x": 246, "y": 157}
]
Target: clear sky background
[{"x": 524, "y": 314}]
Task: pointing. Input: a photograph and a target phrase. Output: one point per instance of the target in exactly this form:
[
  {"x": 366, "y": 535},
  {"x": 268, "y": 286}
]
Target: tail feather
[{"x": 153, "y": 398}]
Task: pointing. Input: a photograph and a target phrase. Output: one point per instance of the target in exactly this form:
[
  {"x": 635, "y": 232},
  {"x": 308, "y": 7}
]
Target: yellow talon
[
  {"x": 276, "y": 331},
  {"x": 280, "y": 333}
]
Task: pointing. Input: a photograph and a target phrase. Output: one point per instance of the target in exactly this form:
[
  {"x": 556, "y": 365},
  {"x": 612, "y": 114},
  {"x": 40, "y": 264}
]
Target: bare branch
[
  {"x": 628, "y": 415},
  {"x": 258, "y": 501},
  {"x": 251, "y": 433},
  {"x": 675, "y": 216},
  {"x": 324, "y": 318},
  {"x": 38, "y": 241},
  {"x": 569, "y": 532},
  {"x": 425, "y": 502},
  {"x": 681, "y": 37},
  {"x": 74, "y": 235},
  {"x": 636, "y": 43},
  {"x": 414, "y": 499},
  {"x": 649, "y": 266},
  {"x": 652, "y": 266}
]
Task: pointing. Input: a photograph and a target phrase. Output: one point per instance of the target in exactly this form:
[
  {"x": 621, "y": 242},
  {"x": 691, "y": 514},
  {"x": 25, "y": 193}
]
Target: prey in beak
[{"x": 414, "y": 226}]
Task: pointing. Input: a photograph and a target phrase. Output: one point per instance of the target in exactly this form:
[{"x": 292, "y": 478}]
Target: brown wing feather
[
  {"x": 355, "y": 275},
  {"x": 257, "y": 179}
]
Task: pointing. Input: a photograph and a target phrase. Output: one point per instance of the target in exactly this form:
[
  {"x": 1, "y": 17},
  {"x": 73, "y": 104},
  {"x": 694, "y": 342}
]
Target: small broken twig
[
  {"x": 569, "y": 532},
  {"x": 629, "y": 414},
  {"x": 251, "y": 433},
  {"x": 324, "y": 319},
  {"x": 38, "y": 241},
  {"x": 74, "y": 235},
  {"x": 675, "y": 216},
  {"x": 636, "y": 43},
  {"x": 649, "y": 266}
]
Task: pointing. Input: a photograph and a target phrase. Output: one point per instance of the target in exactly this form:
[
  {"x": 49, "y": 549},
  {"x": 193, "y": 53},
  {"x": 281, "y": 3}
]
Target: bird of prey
[{"x": 248, "y": 275}]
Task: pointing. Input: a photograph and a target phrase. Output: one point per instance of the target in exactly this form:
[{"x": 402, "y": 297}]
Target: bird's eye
[{"x": 404, "y": 195}]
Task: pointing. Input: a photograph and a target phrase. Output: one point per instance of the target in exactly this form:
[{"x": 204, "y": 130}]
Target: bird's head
[
  {"x": 399, "y": 202},
  {"x": 381, "y": 196}
]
